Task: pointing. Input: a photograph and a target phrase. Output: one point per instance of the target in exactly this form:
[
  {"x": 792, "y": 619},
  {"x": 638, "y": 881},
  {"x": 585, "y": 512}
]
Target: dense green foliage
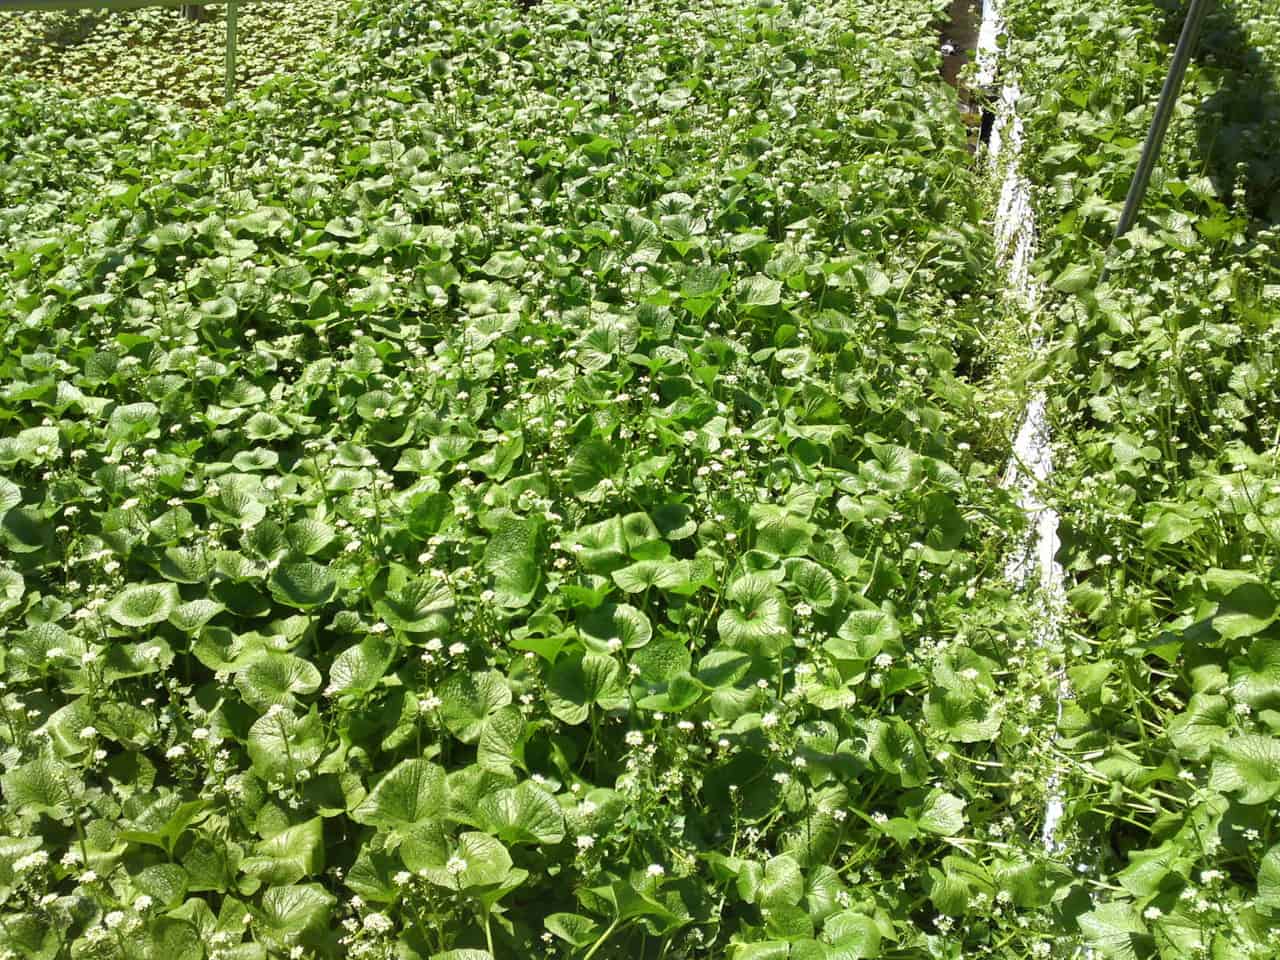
[
  {"x": 160, "y": 55},
  {"x": 535, "y": 454},
  {"x": 528, "y": 485},
  {"x": 1164, "y": 386}
]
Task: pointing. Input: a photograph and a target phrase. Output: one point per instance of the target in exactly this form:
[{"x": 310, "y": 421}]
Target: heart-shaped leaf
[
  {"x": 615, "y": 626},
  {"x": 467, "y": 700},
  {"x": 358, "y": 669},
  {"x": 523, "y": 814},
  {"x": 281, "y": 744},
  {"x": 413, "y": 791},
  {"x": 421, "y": 605},
  {"x": 289, "y": 911},
  {"x": 758, "y": 620},
  {"x": 144, "y": 604},
  {"x": 290, "y": 855},
  {"x": 511, "y": 558},
  {"x": 576, "y": 684},
  {"x": 276, "y": 678},
  {"x": 302, "y": 584},
  {"x": 1248, "y": 764}
]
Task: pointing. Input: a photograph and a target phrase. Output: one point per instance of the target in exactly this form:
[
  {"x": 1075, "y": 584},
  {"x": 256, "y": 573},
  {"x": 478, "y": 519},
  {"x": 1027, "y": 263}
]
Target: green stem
[
  {"x": 488, "y": 934},
  {"x": 84, "y": 850},
  {"x": 911, "y": 276},
  {"x": 603, "y": 937},
  {"x": 593, "y": 748}
]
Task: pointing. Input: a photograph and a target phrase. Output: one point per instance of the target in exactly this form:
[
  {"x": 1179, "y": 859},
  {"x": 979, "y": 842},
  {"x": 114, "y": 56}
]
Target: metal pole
[
  {"x": 231, "y": 49},
  {"x": 1164, "y": 111}
]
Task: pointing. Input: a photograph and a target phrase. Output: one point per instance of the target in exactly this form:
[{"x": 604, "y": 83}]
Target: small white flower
[
  {"x": 585, "y": 841},
  {"x": 176, "y": 752},
  {"x": 88, "y": 733},
  {"x": 377, "y": 923},
  {"x": 655, "y": 870},
  {"x": 769, "y": 720},
  {"x": 142, "y": 902},
  {"x": 456, "y": 865},
  {"x": 31, "y": 861},
  {"x": 113, "y": 919}
]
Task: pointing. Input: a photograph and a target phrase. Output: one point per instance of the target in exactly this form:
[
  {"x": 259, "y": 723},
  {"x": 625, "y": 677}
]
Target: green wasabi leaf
[
  {"x": 143, "y": 605},
  {"x": 511, "y": 558},
  {"x": 411, "y": 792}
]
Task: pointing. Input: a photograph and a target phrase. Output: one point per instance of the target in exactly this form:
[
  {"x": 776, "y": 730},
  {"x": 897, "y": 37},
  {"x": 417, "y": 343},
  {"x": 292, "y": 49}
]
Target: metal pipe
[
  {"x": 1164, "y": 112},
  {"x": 231, "y": 50}
]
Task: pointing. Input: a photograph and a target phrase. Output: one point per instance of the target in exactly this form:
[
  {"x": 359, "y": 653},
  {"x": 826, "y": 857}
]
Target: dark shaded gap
[
  {"x": 1238, "y": 125},
  {"x": 958, "y": 33},
  {"x": 988, "y": 123}
]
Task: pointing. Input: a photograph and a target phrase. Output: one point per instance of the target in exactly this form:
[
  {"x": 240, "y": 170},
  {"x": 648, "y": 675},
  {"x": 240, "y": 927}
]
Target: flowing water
[{"x": 958, "y": 34}]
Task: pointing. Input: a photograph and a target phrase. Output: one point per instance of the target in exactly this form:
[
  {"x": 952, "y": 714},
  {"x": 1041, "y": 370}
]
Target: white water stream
[{"x": 1033, "y": 565}]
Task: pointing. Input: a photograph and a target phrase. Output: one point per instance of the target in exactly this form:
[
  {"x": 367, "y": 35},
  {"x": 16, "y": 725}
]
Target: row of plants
[
  {"x": 163, "y": 54},
  {"x": 526, "y": 485},
  {"x": 1162, "y": 381}
]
